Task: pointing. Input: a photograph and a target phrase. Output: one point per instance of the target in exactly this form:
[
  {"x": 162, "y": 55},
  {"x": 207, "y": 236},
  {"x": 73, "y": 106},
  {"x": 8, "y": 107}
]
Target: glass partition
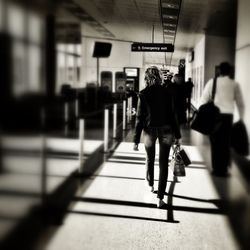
[{"x": 16, "y": 20}]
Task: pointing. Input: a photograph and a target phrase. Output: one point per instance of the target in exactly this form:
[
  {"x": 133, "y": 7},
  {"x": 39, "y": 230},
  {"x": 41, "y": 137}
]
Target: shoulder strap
[{"x": 214, "y": 88}]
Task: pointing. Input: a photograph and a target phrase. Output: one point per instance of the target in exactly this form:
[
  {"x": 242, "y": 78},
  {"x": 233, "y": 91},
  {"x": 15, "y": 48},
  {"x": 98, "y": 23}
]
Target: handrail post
[
  {"x": 106, "y": 129},
  {"x": 81, "y": 142},
  {"x": 66, "y": 118},
  {"x": 130, "y": 108},
  {"x": 114, "y": 120},
  {"x": 43, "y": 169},
  {"x": 76, "y": 113},
  {"x": 124, "y": 115},
  {"x": 76, "y": 108}
]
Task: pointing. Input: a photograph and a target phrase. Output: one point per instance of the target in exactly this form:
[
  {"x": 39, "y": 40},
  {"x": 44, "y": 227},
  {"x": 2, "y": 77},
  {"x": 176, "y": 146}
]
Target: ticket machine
[
  {"x": 120, "y": 82},
  {"x": 132, "y": 78},
  {"x": 106, "y": 80}
]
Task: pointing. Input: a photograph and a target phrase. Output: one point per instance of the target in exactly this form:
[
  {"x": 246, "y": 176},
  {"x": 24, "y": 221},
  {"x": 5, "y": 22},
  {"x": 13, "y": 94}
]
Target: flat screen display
[{"x": 131, "y": 72}]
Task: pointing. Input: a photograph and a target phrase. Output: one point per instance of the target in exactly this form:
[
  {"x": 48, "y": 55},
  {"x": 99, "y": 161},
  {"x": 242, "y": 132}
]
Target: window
[
  {"x": 26, "y": 30},
  {"x": 19, "y": 59},
  {"x": 69, "y": 64},
  {"x": 35, "y": 28},
  {"x": 16, "y": 21},
  {"x": 34, "y": 70}
]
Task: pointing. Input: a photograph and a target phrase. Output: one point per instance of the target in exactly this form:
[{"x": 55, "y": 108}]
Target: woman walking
[{"x": 156, "y": 117}]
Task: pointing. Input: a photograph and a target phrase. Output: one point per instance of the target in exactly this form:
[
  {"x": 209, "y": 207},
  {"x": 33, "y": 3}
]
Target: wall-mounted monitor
[{"x": 102, "y": 49}]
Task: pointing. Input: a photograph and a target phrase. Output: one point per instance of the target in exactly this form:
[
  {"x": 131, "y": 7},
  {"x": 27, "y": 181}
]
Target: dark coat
[
  {"x": 179, "y": 93},
  {"x": 155, "y": 110}
]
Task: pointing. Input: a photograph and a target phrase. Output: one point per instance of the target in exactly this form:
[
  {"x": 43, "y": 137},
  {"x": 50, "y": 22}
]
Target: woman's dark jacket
[{"x": 155, "y": 110}]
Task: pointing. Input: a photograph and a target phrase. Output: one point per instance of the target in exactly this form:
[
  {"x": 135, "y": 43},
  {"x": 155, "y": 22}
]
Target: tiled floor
[{"x": 117, "y": 210}]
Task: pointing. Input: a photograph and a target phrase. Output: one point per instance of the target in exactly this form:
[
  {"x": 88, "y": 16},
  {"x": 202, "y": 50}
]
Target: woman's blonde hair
[{"x": 152, "y": 76}]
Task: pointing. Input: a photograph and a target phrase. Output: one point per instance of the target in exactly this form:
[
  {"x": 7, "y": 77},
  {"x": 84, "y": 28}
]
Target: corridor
[{"x": 71, "y": 72}]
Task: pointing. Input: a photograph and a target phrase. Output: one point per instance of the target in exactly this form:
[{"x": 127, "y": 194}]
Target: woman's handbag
[
  {"x": 239, "y": 139},
  {"x": 206, "y": 119},
  {"x": 184, "y": 157},
  {"x": 177, "y": 163}
]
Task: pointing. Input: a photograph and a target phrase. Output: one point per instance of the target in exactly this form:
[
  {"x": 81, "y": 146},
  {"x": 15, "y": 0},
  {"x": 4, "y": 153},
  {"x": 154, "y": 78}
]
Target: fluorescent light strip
[
  {"x": 169, "y": 25},
  {"x": 168, "y": 37},
  {"x": 168, "y": 41},
  {"x": 170, "y": 17},
  {"x": 170, "y": 5},
  {"x": 169, "y": 31}
]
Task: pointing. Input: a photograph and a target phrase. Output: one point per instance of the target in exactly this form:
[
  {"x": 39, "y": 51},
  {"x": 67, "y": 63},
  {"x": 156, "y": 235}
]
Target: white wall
[
  {"x": 242, "y": 65},
  {"x": 188, "y": 67},
  {"x": 218, "y": 49},
  {"x": 208, "y": 52},
  {"x": 195, "y": 69},
  {"x": 199, "y": 53}
]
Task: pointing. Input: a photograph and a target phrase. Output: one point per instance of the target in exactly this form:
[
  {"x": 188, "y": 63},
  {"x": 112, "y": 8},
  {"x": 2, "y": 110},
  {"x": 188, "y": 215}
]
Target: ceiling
[{"x": 180, "y": 22}]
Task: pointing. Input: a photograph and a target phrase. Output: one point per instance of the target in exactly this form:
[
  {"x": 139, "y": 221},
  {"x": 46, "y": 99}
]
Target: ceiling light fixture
[
  {"x": 169, "y": 25},
  {"x": 170, "y": 6},
  {"x": 170, "y": 17}
]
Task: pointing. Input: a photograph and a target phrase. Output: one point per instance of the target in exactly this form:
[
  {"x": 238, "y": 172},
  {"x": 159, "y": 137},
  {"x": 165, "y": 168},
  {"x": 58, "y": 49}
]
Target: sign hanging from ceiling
[{"x": 152, "y": 47}]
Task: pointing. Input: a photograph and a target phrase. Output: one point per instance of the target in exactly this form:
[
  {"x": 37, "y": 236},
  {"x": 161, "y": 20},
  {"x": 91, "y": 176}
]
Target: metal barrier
[
  {"x": 106, "y": 134},
  {"x": 126, "y": 117}
]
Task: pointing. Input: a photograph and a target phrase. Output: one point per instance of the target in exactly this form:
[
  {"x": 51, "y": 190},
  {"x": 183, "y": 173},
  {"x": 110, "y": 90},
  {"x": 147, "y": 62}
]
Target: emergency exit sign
[{"x": 152, "y": 47}]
